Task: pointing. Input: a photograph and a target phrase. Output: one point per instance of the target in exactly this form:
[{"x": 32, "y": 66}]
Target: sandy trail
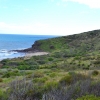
[{"x": 29, "y": 55}]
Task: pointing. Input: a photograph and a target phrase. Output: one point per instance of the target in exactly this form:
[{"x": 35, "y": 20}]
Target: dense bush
[
  {"x": 73, "y": 86},
  {"x": 6, "y": 75},
  {"x": 50, "y": 85},
  {"x": 57, "y": 55},
  {"x": 88, "y": 97},
  {"x": 97, "y": 62},
  {"x": 41, "y": 61},
  {"x": 28, "y": 67},
  {"x": 3, "y": 95},
  {"x": 66, "y": 80},
  {"x": 11, "y": 73},
  {"x": 74, "y": 91},
  {"x": 40, "y": 80},
  {"x": 72, "y": 78},
  {"x": 21, "y": 90},
  {"x": 50, "y": 59},
  {"x": 95, "y": 72},
  {"x": 1, "y": 80},
  {"x": 38, "y": 74},
  {"x": 53, "y": 74}
]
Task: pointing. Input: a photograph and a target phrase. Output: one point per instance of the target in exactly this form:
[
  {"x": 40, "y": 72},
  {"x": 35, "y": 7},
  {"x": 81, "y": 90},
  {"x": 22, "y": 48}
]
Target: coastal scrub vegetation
[{"x": 71, "y": 71}]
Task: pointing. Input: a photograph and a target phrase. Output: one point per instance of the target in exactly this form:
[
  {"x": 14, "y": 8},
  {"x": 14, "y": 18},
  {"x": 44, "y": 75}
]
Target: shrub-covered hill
[
  {"x": 71, "y": 71},
  {"x": 79, "y": 43}
]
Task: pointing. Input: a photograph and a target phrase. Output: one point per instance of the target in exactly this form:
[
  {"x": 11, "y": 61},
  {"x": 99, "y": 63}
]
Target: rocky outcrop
[{"x": 35, "y": 48}]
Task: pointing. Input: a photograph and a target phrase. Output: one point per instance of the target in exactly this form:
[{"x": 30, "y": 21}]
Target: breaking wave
[{"x": 4, "y": 54}]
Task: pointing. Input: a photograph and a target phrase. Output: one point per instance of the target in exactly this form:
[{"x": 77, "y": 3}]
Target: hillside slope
[
  {"x": 80, "y": 43},
  {"x": 71, "y": 69}
]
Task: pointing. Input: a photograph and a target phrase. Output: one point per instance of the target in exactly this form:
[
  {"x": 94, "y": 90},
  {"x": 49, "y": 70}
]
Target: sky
[{"x": 49, "y": 17}]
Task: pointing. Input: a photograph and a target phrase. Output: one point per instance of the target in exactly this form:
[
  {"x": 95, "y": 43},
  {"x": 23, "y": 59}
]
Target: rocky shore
[{"x": 34, "y": 48}]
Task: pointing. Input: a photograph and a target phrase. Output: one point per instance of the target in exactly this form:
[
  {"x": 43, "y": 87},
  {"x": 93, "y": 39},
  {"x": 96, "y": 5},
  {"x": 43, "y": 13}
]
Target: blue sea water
[{"x": 10, "y": 42}]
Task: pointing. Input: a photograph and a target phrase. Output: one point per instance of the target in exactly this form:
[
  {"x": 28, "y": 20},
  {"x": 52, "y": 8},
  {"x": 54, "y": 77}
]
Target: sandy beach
[{"x": 28, "y": 55}]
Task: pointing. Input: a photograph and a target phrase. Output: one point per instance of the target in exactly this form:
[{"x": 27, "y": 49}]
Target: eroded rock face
[
  {"x": 35, "y": 48},
  {"x": 36, "y": 45},
  {"x": 52, "y": 47}
]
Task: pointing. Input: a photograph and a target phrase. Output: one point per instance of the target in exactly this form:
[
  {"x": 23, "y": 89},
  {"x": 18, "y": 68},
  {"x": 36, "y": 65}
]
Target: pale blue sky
[{"x": 49, "y": 17}]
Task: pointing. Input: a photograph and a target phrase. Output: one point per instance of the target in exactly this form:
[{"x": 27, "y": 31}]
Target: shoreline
[
  {"x": 34, "y": 50},
  {"x": 29, "y": 52},
  {"x": 28, "y": 55}
]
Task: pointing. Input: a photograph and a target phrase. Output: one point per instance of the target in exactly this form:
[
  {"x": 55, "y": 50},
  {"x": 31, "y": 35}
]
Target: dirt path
[{"x": 29, "y": 55}]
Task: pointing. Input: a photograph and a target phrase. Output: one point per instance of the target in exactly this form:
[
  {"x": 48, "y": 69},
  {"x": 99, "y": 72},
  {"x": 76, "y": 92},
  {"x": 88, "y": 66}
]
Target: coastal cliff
[
  {"x": 80, "y": 43},
  {"x": 87, "y": 41}
]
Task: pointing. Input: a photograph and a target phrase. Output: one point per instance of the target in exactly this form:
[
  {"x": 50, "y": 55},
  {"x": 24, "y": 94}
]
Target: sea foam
[
  {"x": 4, "y": 54},
  {"x": 10, "y": 42}
]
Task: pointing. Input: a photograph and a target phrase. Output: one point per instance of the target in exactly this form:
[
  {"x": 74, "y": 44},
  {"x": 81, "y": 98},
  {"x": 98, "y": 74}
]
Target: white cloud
[
  {"x": 90, "y": 3},
  {"x": 45, "y": 29},
  {"x": 38, "y": 24},
  {"x": 36, "y": 28}
]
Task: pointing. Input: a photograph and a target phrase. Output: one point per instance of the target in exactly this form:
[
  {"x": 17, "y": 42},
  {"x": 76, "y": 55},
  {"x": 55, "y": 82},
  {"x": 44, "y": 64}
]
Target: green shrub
[
  {"x": 97, "y": 62},
  {"x": 53, "y": 74},
  {"x": 95, "y": 73},
  {"x": 66, "y": 80},
  {"x": 10, "y": 73},
  {"x": 21, "y": 67},
  {"x": 72, "y": 78},
  {"x": 41, "y": 61},
  {"x": 28, "y": 72},
  {"x": 40, "y": 80},
  {"x": 38, "y": 74},
  {"x": 5, "y": 61},
  {"x": 71, "y": 73},
  {"x": 77, "y": 58},
  {"x": 1, "y": 80},
  {"x": 6, "y": 75},
  {"x": 16, "y": 71},
  {"x": 1, "y": 72},
  {"x": 54, "y": 65},
  {"x": 50, "y": 85},
  {"x": 3, "y": 95},
  {"x": 30, "y": 75},
  {"x": 57, "y": 54},
  {"x": 28, "y": 67},
  {"x": 86, "y": 67},
  {"x": 88, "y": 97},
  {"x": 50, "y": 59}
]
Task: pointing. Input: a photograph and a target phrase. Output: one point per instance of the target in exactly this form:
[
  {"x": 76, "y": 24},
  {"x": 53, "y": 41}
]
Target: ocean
[{"x": 10, "y": 42}]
